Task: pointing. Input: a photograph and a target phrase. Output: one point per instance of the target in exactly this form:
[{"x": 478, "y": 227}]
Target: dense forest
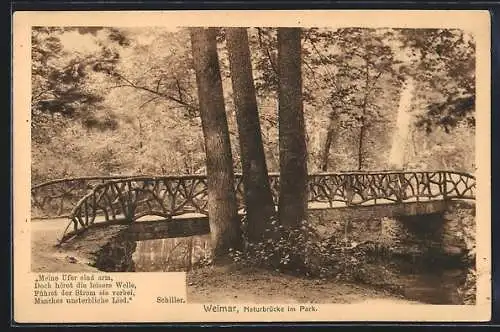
[
  {"x": 108, "y": 101},
  {"x": 216, "y": 101}
]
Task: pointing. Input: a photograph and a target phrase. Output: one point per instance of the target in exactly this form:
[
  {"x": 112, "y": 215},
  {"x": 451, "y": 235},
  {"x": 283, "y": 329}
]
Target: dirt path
[
  {"x": 45, "y": 257},
  {"x": 232, "y": 284},
  {"x": 72, "y": 257}
]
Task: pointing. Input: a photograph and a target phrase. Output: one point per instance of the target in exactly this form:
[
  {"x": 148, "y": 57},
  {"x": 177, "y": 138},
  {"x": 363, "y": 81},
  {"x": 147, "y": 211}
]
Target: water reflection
[
  {"x": 440, "y": 287},
  {"x": 117, "y": 256},
  {"x": 163, "y": 255},
  {"x": 169, "y": 255}
]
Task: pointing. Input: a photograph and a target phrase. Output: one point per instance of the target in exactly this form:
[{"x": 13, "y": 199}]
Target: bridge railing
[
  {"x": 132, "y": 198},
  {"x": 57, "y": 198},
  {"x": 359, "y": 188}
]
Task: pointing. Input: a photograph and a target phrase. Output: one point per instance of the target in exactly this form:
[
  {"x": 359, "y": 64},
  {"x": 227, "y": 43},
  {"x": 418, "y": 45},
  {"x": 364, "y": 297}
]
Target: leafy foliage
[
  {"x": 61, "y": 82},
  {"x": 301, "y": 251},
  {"x": 140, "y": 82},
  {"x": 444, "y": 64},
  {"x": 356, "y": 84}
]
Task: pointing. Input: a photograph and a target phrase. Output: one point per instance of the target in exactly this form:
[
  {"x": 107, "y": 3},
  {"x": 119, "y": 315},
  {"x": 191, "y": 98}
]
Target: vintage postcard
[{"x": 251, "y": 166}]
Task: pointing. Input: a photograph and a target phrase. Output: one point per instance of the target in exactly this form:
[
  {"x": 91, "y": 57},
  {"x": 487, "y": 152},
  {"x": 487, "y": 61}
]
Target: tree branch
[
  {"x": 315, "y": 80},
  {"x": 179, "y": 91},
  {"x": 158, "y": 84},
  {"x": 148, "y": 101},
  {"x": 273, "y": 65},
  {"x": 156, "y": 92},
  {"x": 331, "y": 77},
  {"x": 370, "y": 89}
]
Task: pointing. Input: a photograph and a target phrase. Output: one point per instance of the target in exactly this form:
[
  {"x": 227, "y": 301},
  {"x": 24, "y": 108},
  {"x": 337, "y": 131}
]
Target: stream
[{"x": 435, "y": 286}]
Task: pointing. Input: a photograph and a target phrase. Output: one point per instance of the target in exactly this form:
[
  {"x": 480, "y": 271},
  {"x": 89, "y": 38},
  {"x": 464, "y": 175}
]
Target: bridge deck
[{"x": 153, "y": 227}]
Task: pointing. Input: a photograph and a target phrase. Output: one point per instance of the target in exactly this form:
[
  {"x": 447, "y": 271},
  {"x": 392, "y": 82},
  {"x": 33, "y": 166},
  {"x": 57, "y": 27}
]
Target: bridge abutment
[
  {"x": 440, "y": 228},
  {"x": 459, "y": 227},
  {"x": 414, "y": 235}
]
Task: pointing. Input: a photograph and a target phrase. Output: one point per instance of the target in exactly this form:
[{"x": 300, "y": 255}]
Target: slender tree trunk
[
  {"x": 362, "y": 129},
  {"x": 326, "y": 151},
  {"x": 258, "y": 197},
  {"x": 292, "y": 138},
  {"x": 330, "y": 135},
  {"x": 222, "y": 210},
  {"x": 360, "y": 143}
]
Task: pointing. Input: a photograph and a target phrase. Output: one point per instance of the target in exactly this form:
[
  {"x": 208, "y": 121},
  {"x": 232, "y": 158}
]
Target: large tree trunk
[
  {"x": 292, "y": 139},
  {"x": 222, "y": 210},
  {"x": 258, "y": 197}
]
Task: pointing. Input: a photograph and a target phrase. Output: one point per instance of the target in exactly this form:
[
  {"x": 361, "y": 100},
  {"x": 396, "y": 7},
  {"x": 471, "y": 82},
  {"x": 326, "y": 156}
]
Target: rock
[
  {"x": 71, "y": 259},
  {"x": 453, "y": 250}
]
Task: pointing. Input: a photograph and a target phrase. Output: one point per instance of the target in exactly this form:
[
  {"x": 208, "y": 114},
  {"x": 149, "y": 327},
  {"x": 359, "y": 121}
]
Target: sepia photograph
[{"x": 271, "y": 164}]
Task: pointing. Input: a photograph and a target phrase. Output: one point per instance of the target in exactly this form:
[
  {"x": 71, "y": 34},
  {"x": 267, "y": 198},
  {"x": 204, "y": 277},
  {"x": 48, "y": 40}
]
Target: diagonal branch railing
[
  {"x": 127, "y": 199},
  {"x": 57, "y": 198}
]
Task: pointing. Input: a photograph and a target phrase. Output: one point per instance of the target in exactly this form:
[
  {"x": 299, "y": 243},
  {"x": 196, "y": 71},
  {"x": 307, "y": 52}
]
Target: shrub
[{"x": 301, "y": 251}]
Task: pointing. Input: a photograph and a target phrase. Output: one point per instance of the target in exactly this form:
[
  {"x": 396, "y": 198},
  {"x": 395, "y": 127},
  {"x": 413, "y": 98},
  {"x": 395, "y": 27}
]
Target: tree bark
[
  {"x": 292, "y": 139},
  {"x": 222, "y": 209},
  {"x": 258, "y": 196}
]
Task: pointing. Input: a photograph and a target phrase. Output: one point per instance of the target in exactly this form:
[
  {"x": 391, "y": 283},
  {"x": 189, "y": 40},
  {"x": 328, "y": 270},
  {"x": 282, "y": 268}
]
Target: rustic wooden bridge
[{"x": 89, "y": 201}]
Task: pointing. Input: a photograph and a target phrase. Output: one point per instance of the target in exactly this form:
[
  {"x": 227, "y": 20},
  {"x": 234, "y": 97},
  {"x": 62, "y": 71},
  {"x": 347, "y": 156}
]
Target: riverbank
[
  {"x": 45, "y": 257},
  {"x": 212, "y": 283},
  {"x": 74, "y": 257}
]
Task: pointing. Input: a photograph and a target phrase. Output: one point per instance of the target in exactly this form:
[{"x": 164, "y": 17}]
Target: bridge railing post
[
  {"x": 444, "y": 186},
  {"x": 400, "y": 187}
]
